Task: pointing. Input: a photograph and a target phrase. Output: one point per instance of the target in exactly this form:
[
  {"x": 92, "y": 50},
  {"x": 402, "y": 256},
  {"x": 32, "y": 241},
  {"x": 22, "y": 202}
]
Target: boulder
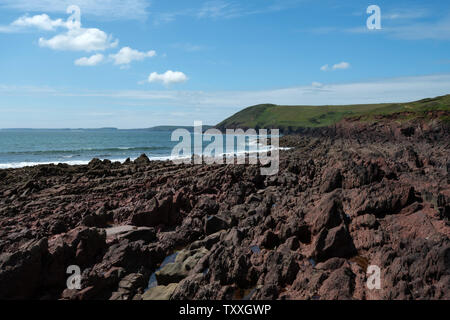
[
  {"x": 328, "y": 214},
  {"x": 143, "y": 160},
  {"x": 332, "y": 179},
  {"x": 156, "y": 212},
  {"x": 21, "y": 271},
  {"x": 214, "y": 224},
  {"x": 335, "y": 242}
]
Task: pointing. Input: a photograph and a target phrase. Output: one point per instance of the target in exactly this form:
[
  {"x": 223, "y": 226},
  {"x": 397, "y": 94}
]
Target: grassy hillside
[{"x": 290, "y": 118}]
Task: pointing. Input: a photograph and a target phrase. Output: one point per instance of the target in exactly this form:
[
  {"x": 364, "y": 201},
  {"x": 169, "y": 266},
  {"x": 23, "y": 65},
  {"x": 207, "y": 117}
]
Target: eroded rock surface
[{"x": 352, "y": 196}]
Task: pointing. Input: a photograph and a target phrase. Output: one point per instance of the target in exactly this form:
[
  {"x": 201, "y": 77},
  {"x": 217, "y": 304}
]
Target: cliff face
[{"x": 346, "y": 197}]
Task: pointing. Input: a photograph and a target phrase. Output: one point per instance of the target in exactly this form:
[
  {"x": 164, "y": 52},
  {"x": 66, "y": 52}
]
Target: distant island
[{"x": 157, "y": 128}]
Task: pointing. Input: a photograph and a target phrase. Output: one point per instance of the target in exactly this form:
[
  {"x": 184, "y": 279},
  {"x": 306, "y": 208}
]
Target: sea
[{"x": 30, "y": 147}]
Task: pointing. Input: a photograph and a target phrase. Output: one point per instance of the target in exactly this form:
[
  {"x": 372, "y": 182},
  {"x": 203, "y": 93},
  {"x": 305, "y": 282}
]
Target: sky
[{"x": 139, "y": 63}]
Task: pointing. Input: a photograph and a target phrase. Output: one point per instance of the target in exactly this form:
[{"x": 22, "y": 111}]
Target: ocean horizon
[{"x": 30, "y": 147}]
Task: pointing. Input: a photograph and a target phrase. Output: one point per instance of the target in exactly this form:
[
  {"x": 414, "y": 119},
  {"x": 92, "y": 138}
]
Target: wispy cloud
[
  {"x": 409, "y": 13},
  {"x": 227, "y": 9},
  {"x": 401, "y": 23},
  {"x": 107, "y": 9},
  {"x": 402, "y": 89},
  {"x": 221, "y": 9},
  {"x": 439, "y": 30}
]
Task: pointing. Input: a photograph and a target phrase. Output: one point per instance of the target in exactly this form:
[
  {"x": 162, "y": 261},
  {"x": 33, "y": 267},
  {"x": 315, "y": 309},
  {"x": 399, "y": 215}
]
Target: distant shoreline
[{"x": 156, "y": 128}]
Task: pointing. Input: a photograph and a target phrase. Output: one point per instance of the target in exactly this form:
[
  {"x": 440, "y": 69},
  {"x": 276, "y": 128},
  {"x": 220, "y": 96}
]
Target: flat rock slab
[{"x": 115, "y": 231}]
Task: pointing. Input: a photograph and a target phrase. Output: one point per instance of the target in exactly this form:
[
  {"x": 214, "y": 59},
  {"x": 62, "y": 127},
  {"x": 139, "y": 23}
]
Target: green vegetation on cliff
[{"x": 292, "y": 118}]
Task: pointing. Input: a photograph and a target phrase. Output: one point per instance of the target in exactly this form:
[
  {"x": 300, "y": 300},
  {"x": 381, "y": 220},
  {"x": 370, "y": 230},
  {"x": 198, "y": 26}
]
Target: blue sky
[{"x": 138, "y": 63}]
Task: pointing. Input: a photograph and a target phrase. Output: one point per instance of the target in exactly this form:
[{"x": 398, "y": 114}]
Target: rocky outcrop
[{"x": 345, "y": 199}]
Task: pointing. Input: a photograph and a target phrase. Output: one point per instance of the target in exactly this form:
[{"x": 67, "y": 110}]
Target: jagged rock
[
  {"x": 384, "y": 199},
  {"x": 329, "y": 214},
  {"x": 295, "y": 227},
  {"x": 131, "y": 283},
  {"x": 214, "y": 224},
  {"x": 335, "y": 242},
  {"x": 339, "y": 285},
  {"x": 332, "y": 179},
  {"x": 142, "y": 233},
  {"x": 156, "y": 212},
  {"x": 143, "y": 160},
  {"x": 346, "y": 197},
  {"x": 269, "y": 240},
  {"x": 21, "y": 271}
]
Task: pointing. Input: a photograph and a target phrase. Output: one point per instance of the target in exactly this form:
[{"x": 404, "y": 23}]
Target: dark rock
[
  {"x": 339, "y": 285},
  {"x": 155, "y": 212},
  {"x": 346, "y": 197},
  {"x": 332, "y": 180},
  {"x": 214, "y": 224},
  {"x": 329, "y": 214},
  {"x": 21, "y": 272},
  {"x": 335, "y": 242},
  {"x": 269, "y": 240},
  {"x": 143, "y": 233},
  {"x": 142, "y": 161}
]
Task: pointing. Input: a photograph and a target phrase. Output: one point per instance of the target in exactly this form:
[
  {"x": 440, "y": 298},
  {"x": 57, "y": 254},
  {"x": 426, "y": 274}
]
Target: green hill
[{"x": 292, "y": 118}]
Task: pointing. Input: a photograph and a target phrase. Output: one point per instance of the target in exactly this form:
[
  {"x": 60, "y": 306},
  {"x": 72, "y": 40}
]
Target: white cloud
[
  {"x": 90, "y": 61},
  {"x": 337, "y": 66},
  {"x": 413, "y": 23},
  {"x": 402, "y": 89},
  {"x": 342, "y": 66},
  {"x": 214, "y": 106},
  {"x": 409, "y": 13},
  {"x": 41, "y": 21},
  {"x": 439, "y": 30},
  {"x": 75, "y": 39},
  {"x": 126, "y": 55},
  {"x": 107, "y": 9},
  {"x": 80, "y": 39},
  {"x": 169, "y": 77}
]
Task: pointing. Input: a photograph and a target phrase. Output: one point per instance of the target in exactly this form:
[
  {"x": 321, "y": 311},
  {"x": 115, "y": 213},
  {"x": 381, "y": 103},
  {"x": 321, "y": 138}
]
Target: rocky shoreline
[{"x": 346, "y": 197}]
